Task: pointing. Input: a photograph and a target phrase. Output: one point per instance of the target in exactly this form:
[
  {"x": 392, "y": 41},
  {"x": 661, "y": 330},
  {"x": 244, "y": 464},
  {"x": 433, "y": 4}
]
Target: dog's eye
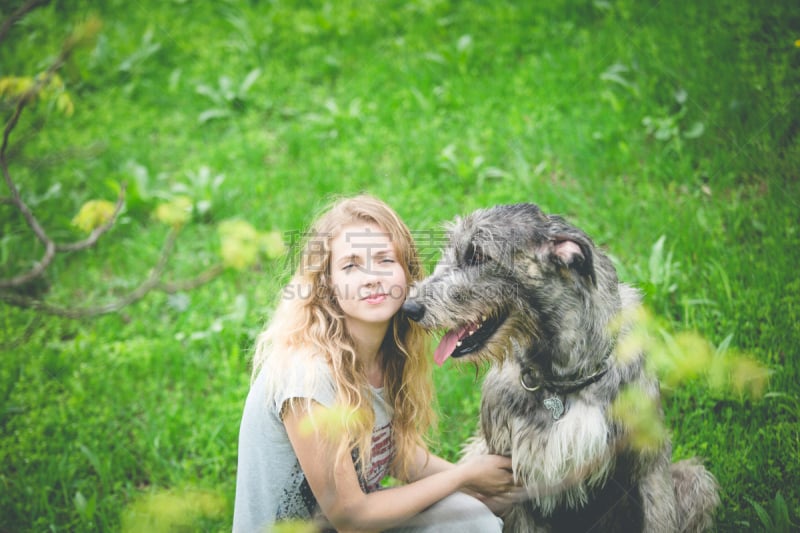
[{"x": 475, "y": 256}]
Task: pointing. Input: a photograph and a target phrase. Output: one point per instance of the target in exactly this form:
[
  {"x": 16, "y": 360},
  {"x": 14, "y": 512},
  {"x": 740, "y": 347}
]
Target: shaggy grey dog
[{"x": 533, "y": 295}]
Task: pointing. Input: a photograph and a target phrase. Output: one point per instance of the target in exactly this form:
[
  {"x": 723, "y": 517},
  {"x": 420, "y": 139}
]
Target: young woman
[{"x": 342, "y": 393}]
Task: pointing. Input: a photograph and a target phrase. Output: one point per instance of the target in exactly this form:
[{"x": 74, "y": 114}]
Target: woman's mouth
[{"x": 375, "y": 298}]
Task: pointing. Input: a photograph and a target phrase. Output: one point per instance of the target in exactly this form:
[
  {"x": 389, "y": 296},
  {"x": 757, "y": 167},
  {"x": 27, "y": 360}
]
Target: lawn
[{"x": 668, "y": 131}]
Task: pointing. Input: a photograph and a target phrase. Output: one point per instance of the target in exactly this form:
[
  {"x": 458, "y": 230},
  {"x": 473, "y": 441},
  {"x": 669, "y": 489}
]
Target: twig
[
  {"x": 189, "y": 284},
  {"x": 138, "y": 293},
  {"x": 23, "y": 10},
  {"x": 11, "y": 297},
  {"x": 50, "y": 247},
  {"x": 16, "y": 199}
]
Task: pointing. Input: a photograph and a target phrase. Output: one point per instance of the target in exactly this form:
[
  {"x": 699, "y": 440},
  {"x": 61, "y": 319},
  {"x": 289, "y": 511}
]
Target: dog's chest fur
[{"x": 564, "y": 463}]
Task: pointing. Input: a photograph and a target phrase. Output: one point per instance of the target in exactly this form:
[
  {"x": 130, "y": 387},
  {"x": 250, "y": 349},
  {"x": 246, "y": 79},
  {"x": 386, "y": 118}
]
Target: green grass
[{"x": 636, "y": 120}]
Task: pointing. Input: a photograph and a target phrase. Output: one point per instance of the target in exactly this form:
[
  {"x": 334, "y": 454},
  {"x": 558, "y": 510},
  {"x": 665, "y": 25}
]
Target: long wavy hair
[{"x": 308, "y": 324}]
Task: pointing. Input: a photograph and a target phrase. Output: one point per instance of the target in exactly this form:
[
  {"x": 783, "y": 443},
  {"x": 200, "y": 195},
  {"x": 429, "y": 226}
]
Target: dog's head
[{"x": 515, "y": 280}]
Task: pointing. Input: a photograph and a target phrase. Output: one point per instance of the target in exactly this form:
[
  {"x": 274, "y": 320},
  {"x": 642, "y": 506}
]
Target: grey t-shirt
[{"x": 270, "y": 485}]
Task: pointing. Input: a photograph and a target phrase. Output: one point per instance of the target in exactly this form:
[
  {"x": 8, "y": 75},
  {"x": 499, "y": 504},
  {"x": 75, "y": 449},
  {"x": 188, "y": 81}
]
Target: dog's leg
[
  {"x": 658, "y": 499},
  {"x": 696, "y": 494}
]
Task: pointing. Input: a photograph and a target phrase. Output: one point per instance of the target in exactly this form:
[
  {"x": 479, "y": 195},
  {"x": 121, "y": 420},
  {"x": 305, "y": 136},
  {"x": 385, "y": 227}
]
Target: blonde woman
[{"x": 342, "y": 396}]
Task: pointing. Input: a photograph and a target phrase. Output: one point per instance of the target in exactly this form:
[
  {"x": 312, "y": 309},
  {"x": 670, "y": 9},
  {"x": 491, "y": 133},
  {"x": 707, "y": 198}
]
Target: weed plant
[{"x": 667, "y": 130}]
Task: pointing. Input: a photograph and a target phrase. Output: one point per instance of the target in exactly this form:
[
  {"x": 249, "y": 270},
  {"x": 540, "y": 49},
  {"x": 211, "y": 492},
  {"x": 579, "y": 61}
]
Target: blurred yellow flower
[
  {"x": 295, "y": 526},
  {"x": 239, "y": 244},
  {"x": 169, "y": 510},
  {"x": 684, "y": 356},
  {"x": 64, "y": 104},
  {"x": 330, "y": 421},
  {"x": 15, "y": 86},
  {"x": 639, "y": 414},
  {"x": 749, "y": 377},
  {"x": 175, "y": 213},
  {"x": 93, "y": 214}
]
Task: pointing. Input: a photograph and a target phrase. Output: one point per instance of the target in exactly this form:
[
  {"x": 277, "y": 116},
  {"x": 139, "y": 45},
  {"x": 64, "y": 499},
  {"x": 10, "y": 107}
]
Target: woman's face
[{"x": 367, "y": 277}]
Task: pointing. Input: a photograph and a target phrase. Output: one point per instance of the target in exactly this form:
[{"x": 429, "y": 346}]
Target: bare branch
[
  {"x": 138, "y": 293},
  {"x": 50, "y": 247},
  {"x": 23, "y": 10},
  {"x": 153, "y": 282},
  {"x": 33, "y": 223},
  {"x": 36, "y": 271},
  {"x": 28, "y": 96},
  {"x": 8, "y": 294},
  {"x": 189, "y": 284}
]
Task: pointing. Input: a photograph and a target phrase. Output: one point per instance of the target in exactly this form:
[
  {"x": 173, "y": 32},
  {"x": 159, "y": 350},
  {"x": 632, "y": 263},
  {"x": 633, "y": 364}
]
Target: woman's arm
[
  {"x": 427, "y": 464},
  {"x": 346, "y": 506}
]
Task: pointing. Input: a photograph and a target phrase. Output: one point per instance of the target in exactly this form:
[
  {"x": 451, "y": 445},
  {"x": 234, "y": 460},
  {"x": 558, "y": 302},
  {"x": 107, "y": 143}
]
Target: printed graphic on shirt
[
  {"x": 382, "y": 455},
  {"x": 297, "y": 501}
]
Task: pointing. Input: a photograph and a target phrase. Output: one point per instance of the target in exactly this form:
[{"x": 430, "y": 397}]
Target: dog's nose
[{"x": 414, "y": 310}]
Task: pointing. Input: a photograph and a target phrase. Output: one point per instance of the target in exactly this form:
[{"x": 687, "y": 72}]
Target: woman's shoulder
[{"x": 303, "y": 375}]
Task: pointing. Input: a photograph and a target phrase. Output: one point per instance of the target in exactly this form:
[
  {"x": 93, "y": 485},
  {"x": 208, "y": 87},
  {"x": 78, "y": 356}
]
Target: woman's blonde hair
[{"x": 308, "y": 323}]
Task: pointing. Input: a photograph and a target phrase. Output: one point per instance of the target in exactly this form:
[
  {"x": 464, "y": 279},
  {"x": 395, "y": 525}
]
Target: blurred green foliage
[{"x": 667, "y": 130}]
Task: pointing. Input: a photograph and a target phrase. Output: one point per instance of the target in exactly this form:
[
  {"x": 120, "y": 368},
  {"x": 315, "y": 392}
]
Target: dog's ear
[{"x": 576, "y": 253}]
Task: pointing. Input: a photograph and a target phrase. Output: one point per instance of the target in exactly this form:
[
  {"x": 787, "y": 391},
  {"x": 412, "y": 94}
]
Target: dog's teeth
[
  {"x": 458, "y": 343},
  {"x": 483, "y": 318},
  {"x": 471, "y": 332}
]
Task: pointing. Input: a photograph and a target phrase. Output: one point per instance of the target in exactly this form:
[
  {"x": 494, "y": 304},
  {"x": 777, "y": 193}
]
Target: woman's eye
[
  {"x": 348, "y": 266},
  {"x": 387, "y": 260}
]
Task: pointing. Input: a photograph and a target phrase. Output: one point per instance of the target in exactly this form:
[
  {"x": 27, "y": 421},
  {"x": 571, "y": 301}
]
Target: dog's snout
[{"x": 414, "y": 310}]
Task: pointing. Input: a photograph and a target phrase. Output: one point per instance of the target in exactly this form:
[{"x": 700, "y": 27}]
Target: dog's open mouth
[{"x": 466, "y": 339}]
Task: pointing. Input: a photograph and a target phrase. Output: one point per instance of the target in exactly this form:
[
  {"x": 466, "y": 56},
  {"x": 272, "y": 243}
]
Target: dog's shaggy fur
[{"x": 535, "y": 296}]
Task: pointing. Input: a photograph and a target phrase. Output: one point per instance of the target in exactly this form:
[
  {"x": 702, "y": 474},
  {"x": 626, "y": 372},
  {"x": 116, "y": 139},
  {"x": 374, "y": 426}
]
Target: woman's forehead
[{"x": 362, "y": 239}]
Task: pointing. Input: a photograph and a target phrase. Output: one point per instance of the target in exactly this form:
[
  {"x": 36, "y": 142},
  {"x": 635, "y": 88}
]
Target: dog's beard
[{"x": 561, "y": 465}]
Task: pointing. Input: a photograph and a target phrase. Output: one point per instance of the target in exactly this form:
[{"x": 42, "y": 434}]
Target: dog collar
[
  {"x": 559, "y": 386},
  {"x": 554, "y": 403}
]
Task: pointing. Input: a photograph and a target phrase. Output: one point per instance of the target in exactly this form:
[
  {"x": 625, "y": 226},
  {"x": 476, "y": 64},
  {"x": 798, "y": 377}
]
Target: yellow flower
[
  {"x": 14, "y": 86},
  {"x": 64, "y": 104},
  {"x": 176, "y": 213},
  {"x": 172, "y": 510},
  {"x": 239, "y": 244},
  {"x": 93, "y": 214},
  {"x": 332, "y": 421},
  {"x": 639, "y": 414}
]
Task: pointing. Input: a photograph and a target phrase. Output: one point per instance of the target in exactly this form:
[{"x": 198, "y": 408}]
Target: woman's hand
[
  {"x": 492, "y": 482},
  {"x": 489, "y": 475},
  {"x": 502, "y": 502}
]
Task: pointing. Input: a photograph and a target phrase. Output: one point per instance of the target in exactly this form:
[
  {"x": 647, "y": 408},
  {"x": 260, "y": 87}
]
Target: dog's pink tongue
[{"x": 447, "y": 345}]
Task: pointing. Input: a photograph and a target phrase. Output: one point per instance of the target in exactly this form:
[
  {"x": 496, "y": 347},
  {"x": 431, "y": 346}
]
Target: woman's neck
[{"x": 368, "y": 343}]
